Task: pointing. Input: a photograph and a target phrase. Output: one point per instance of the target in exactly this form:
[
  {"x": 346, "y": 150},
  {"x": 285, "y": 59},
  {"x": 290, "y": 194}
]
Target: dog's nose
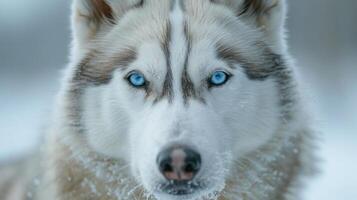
[{"x": 179, "y": 163}]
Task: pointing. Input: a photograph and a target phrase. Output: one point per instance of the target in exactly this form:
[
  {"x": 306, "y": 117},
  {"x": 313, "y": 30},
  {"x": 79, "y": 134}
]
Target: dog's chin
[
  {"x": 184, "y": 191},
  {"x": 166, "y": 196},
  {"x": 194, "y": 195},
  {"x": 197, "y": 195}
]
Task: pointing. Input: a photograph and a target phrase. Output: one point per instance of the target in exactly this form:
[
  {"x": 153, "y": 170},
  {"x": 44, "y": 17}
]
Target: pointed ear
[
  {"x": 92, "y": 17},
  {"x": 269, "y": 16},
  {"x": 89, "y": 17}
]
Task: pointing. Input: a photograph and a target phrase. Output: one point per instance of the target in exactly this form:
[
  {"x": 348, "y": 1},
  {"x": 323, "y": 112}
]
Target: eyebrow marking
[
  {"x": 92, "y": 72},
  {"x": 254, "y": 71}
]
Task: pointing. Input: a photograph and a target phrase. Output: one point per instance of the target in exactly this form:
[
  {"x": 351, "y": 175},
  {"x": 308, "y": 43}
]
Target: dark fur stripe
[
  {"x": 167, "y": 90},
  {"x": 172, "y": 4},
  {"x": 188, "y": 88},
  {"x": 255, "y": 7},
  {"x": 252, "y": 7},
  {"x": 254, "y": 71},
  {"x": 139, "y": 4},
  {"x": 182, "y": 5}
]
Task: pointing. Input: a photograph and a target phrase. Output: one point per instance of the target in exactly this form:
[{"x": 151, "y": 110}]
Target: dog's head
[{"x": 178, "y": 89}]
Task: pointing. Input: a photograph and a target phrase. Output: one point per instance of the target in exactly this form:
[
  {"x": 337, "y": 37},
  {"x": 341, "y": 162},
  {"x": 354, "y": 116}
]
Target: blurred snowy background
[{"x": 34, "y": 41}]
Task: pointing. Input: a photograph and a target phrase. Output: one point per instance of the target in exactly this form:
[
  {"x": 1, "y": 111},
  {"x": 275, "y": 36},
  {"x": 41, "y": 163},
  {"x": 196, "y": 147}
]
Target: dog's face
[{"x": 177, "y": 89}]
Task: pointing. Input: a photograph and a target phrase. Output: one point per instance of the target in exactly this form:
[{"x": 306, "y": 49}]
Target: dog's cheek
[
  {"x": 256, "y": 117},
  {"x": 105, "y": 122},
  {"x": 248, "y": 109}
]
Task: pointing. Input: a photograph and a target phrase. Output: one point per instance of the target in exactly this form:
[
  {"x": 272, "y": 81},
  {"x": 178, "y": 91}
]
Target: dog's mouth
[{"x": 181, "y": 188}]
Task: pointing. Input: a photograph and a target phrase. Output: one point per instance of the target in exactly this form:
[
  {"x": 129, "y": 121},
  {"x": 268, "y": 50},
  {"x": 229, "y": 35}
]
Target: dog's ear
[
  {"x": 267, "y": 15},
  {"x": 90, "y": 18}
]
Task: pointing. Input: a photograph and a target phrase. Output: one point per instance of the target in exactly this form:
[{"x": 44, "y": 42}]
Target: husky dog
[{"x": 173, "y": 100}]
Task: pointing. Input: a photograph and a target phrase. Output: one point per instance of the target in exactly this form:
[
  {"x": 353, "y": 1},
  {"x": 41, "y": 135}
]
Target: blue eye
[
  {"x": 136, "y": 79},
  {"x": 218, "y": 78}
]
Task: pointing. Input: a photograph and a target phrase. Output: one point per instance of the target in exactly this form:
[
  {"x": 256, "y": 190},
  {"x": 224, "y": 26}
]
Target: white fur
[{"x": 236, "y": 120}]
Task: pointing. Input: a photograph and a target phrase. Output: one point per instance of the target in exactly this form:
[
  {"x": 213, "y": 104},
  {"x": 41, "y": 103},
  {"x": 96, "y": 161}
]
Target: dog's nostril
[
  {"x": 179, "y": 164},
  {"x": 167, "y": 167},
  {"x": 190, "y": 167}
]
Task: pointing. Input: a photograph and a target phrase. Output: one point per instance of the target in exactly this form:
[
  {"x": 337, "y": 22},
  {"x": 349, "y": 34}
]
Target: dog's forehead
[{"x": 150, "y": 22}]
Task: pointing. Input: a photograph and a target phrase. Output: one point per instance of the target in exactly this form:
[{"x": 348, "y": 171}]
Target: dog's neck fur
[{"x": 269, "y": 173}]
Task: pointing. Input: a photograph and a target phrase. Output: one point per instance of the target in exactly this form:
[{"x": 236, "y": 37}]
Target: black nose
[{"x": 179, "y": 163}]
